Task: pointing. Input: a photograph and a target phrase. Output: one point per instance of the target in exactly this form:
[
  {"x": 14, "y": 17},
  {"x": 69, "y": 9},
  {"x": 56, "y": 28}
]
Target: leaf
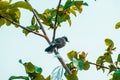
[
  {"x": 69, "y": 21},
  {"x": 117, "y": 26},
  {"x": 100, "y": 61},
  {"x": 72, "y": 54},
  {"x": 110, "y": 44},
  {"x": 78, "y": 5},
  {"x": 33, "y": 21},
  {"x": 38, "y": 69},
  {"x": 2, "y": 21},
  {"x": 22, "y": 4},
  {"x": 80, "y": 64},
  {"x": 108, "y": 58},
  {"x": 31, "y": 27},
  {"x": 118, "y": 58},
  {"x": 85, "y": 4},
  {"x": 72, "y": 11},
  {"x": 86, "y": 65},
  {"x": 38, "y": 77},
  {"x": 25, "y": 32},
  {"x": 4, "y": 5},
  {"x": 29, "y": 67},
  {"x": 111, "y": 68},
  {"x": 75, "y": 62},
  {"x": 20, "y": 61},
  {"x": 14, "y": 14},
  {"x": 73, "y": 76},
  {"x": 83, "y": 55},
  {"x": 116, "y": 75},
  {"x": 48, "y": 78},
  {"x": 68, "y": 4},
  {"x": 19, "y": 77}
]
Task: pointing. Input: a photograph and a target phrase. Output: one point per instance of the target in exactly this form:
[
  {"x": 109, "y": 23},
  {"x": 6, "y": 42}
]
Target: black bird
[{"x": 58, "y": 43}]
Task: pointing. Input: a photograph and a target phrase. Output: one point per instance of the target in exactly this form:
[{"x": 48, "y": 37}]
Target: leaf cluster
[
  {"x": 78, "y": 62},
  {"x": 64, "y": 11},
  {"x": 34, "y": 72},
  {"x": 12, "y": 11}
]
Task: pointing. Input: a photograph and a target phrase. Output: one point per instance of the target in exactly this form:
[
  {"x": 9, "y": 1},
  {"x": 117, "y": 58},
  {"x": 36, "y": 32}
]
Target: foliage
[
  {"x": 10, "y": 14},
  {"x": 12, "y": 11}
]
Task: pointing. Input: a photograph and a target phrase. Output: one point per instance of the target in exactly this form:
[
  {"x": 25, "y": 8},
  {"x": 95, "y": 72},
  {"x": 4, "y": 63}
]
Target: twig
[
  {"x": 38, "y": 20},
  {"x": 98, "y": 65},
  {"x": 15, "y": 23},
  {"x": 62, "y": 62},
  {"x": 55, "y": 27}
]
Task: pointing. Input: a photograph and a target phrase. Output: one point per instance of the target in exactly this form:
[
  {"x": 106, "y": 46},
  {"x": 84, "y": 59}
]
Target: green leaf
[
  {"x": 83, "y": 55},
  {"x": 38, "y": 69},
  {"x": 73, "y": 76},
  {"x": 33, "y": 21},
  {"x": 116, "y": 75},
  {"x": 19, "y": 77},
  {"x": 69, "y": 21},
  {"x": 31, "y": 27},
  {"x": 22, "y": 4},
  {"x": 29, "y": 67},
  {"x": 78, "y": 5},
  {"x": 20, "y": 61},
  {"x": 38, "y": 77},
  {"x": 72, "y": 54},
  {"x": 85, "y": 4},
  {"x": 3, "y": 5},
  {"x": 118, "y": 58},
  {"x": 75, "y": 62},
  {"x": 117, "y": 26},
  {"x": 108, "y": 58},
  {"x": 2, "y": 21},
  {"x": 110, "y": 45},
  {"x": 100, "y": 61},
  {"x": 25, "y": 32},
  {"x": 73, "y": 11},
  {"x": 68, "y": 4},
  {"x": 14, "y": 14},
  {"x": 48, "y": 78},
  {"x": 80, "y": 64},
  {"x": 109, "y": 42},
  {"x": 86, "y": 65},
  {"x": 111, "y": 68}
]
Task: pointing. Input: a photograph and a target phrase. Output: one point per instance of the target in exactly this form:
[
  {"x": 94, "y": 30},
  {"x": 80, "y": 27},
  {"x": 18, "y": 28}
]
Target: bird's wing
[{"x": 58, "y": 41}]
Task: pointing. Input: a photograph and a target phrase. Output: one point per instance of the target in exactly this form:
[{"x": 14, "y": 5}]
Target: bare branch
[
  {"x": 15, "y": 23},
  {"x": 62, "y": 62},
  {"x": 98, "y": 65},
  {"x": 55, "y": 27}
]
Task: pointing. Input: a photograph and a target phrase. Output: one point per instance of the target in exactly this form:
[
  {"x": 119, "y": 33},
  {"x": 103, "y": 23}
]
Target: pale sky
[{"x": 87, "y": 33}]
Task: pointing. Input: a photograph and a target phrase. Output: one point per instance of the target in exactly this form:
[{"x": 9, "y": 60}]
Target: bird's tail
[{"x": 50, "y": 49}]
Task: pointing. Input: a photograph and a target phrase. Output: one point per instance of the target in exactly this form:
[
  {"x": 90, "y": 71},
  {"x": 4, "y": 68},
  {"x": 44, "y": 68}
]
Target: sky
[{"x": 87, "y": 33}]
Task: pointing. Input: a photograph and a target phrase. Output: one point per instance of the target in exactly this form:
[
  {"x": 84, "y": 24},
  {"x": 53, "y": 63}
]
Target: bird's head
[{"x": 66, "y": 39}]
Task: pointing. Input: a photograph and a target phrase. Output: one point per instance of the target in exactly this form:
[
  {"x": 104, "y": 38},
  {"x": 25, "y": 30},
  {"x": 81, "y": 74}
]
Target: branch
[
  {"x": 42, "y": 28},
  {"x": 55, "y": 27},
  {"x": 38, "y": 20},
  {"x": 98, "y": 65},
  {"x": 15, "y": 23}
]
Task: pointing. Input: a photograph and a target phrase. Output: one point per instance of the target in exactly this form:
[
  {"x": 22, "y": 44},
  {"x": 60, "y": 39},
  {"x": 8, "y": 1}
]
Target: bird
[{"x": 57, "y": 43}]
